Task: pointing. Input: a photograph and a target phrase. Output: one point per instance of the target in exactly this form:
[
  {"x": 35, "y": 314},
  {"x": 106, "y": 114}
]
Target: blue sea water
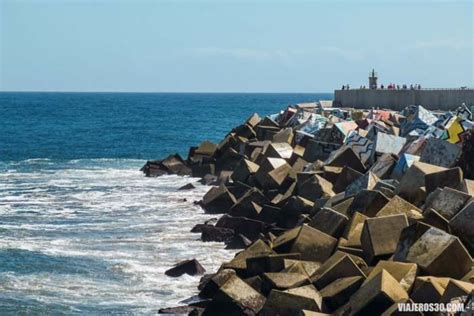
[{"x": 82, "y": 231}]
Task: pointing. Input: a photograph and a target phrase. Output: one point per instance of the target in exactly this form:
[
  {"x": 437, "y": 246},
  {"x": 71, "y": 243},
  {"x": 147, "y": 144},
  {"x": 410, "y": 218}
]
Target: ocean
[{"x": 82, "y": 231}]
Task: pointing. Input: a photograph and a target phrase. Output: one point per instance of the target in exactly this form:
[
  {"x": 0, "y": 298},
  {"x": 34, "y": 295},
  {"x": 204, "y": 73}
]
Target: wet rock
[
  {"x": 208, "y": 179},
  {"x": 173, "y": 164},
  {"x": 181, "y": 310},
  {"x": 191, "y": 267},
  {"x": 218, "y": 200},
  {"x": 241, "y": 225},
  {"x": 213, "y": 233},
  {"x": 185, "y": 187},
  {"x": 235, "y": 297},
  {"x": 212, "y": 285}
]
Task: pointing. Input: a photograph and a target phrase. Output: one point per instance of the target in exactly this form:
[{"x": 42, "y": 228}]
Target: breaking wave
[{"x": 95, "y": 236}]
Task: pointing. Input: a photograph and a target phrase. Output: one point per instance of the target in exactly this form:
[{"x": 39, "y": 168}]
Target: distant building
[{"x": 399, "y": 96}]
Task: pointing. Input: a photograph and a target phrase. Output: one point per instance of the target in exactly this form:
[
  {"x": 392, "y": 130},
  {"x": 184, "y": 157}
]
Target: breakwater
[
  {"x": 397, "y": 99},
  {"x": 337, "y": 211}
]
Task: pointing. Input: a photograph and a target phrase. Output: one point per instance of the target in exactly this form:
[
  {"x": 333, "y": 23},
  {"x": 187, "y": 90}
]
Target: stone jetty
[{"x": 337, "y": 211}]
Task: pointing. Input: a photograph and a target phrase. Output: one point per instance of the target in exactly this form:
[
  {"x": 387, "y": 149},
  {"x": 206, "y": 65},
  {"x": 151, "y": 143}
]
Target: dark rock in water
[
  {"x": 188, "y": 186},
  {"x": 218, "y": 200},
  {"x": 241, "y": 225},
  {"x": 213, "y": 233},
  {"x": 238, "y": 241},
  {"x": 235, "y": 297},
  {"x": 208, "y": 179},
  {"x": 181, "y": 310},
  {"x": 211, "y": 283},
  {"x": 173, "y": 164},
  {"x": 191, "y": 267}
]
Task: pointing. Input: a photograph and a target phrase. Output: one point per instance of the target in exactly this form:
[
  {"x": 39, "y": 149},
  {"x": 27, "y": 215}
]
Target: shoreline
[{"x": 293, "y": 189}]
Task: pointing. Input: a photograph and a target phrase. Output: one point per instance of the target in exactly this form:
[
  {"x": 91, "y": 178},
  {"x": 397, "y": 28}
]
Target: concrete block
[
  {"x": 389, "y": 144},
  {"x": 338, "y": 292},
  {"x": 441, "y": 153},
  {"x": 209, "y": 288},
  {"x": 368, "y": 203},
  {"x": 243, "y": 170},
  {"x": 456, "y": 288},
  {"x": 434, "y": 251},
  {"x": 366, "y": 182},
  {"x": 428, "y": 289},
  {"x": 191, "y": 267},
  {"x": 279, "y": 150},
  {"x": 346, "y": 177},
  {"x": 447, "y": 202},
  {"x": 462, "y": 226},
  {"x": 362, "y": 146},
  {"x": 414, "y": 179},
  {"x": 309, "y": 267},
  {"x": 269, "y": 263},
  {"x": 237, "y": 298},
  {"x": 249, "y": 205},
  {"x": 345, "y": 156},
  {"x": 314, "y": 188},
  {"x": 284, "y": 136},
  {"x": 380, "y": 236},
  {"x": 377, "y": 295},
  {"x": 329, "y": 221},
  {"x": 272, "y": 173},
  {"x": 253, "y": 120},
  {"x": 218, "y": 200},
  {"x": 319, "y": 150},
  {"x": 248, "y": 227},
  {"x": 239, "y": 262},
  {"x": 451, "y": 178},
  {"x": 340, "y": 265},
  {"x": 313, "y": 244},
  {"x": 286, "y": 303},
  {"x": 397, "y": 205},
  {"x": 353, "y": 230},
  {"x": 404, "y": 273},
  {"x": 282, "y": 281},
  {"x": 403, "y": 164},
  {"x": 384, "y": 166}
]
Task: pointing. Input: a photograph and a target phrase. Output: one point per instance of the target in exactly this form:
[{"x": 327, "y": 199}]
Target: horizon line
[{"x": 167, "y": 92}]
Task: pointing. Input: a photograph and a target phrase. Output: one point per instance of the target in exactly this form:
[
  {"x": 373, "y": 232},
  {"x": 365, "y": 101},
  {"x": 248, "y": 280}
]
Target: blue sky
[{"x": 232, "y": 46}]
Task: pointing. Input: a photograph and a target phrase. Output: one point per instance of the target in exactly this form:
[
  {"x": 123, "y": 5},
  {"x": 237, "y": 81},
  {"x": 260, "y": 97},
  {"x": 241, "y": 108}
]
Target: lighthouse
[{"x": 373, "y": 80}]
